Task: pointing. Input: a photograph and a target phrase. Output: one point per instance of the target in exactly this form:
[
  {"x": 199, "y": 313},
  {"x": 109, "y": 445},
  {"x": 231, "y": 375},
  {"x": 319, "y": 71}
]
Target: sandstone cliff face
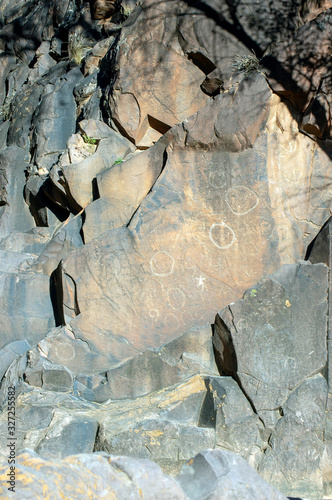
[{"x": 165, "y": 203}]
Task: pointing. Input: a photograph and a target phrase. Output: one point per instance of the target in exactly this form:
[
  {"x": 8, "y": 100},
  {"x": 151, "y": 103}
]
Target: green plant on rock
[
  {"x": 117, "y": 161},
  {"x": 89, "y": 140},
  {"x": 245, "y": 64}
]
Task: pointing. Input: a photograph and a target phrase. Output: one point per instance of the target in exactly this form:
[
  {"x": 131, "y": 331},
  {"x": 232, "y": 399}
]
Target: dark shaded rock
[
  {"x": 10, "y": 352},
  {"x": 277, "y": 334},
  {"x": 102, "y": 9},
  {"x": 212, "y": 86},
  {"x": 25, "y": 104},
  {"x": 216, "y": 474},
  {"x": 55, "y": 120},
  {"x": 300, "y": 69},
  {"x": 68, "y": 436},
  {"x": 14, "y": 213},
  {"x": 27, "y": 311},
  {"x": 294, "y": 460}
]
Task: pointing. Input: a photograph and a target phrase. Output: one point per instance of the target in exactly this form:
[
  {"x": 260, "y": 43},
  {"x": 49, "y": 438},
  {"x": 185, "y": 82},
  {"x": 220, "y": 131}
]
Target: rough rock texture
[
  {"x": 231, "y": 205},
  {"x": 272, "y": 339},
  {"x": 136, "y": 478},
  {"x": 225, "y": 474},
  {"x": 165, "y": 169}
]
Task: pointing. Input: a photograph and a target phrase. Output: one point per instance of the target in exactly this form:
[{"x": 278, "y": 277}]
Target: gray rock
[
  {"x": 96, "y": 129},
  {"x": 10, "y": 352},
  {"x": 96, "y": 474},
  {"x": 275, "y": 336},
  {"x": 79, "y": 178},
  {"x": 27, "y": 311},
  {"x": 68, "y": 436},
  {"x": 11, "y": 262},
  {"x": 238, "y": 428},
  {"x": 32, "y": 242},
  {"x": 25, "y": 104},
  {"x": 294, "y": 460},
  {"x": 155, "y": 369},
  {"x": 14, "y": 213},
  {"x": 215, "y": 474},
  {"x": 54, "y": 120}
]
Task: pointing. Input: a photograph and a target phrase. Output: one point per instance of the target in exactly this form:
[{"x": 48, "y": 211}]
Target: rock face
[
  {"x": 165, "y": 248},
  {"x": 193, "y": 241}
]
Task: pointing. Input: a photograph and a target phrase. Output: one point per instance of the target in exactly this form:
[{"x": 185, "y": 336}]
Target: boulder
[
  {"x": 14, "y": 212},
  {"x": 214, "y": 474},
  {"x": 78, "y": 179},
  {"x": 65, "y": 352},
  {"x": 275, "y": 336},
  {"x": 294, "y": 460},
  {"x": 27, "y": 312},
  {"x": 95, "y": 474},
  {"x": 55, "y": 120}
]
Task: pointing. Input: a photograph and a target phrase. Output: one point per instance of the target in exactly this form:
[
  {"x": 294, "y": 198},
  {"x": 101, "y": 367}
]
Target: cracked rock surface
[{"x": 165, "y": 248}]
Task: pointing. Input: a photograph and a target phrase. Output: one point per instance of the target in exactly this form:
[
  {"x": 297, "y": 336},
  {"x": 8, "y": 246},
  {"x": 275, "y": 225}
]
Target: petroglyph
[
  {"x": 64, "y": 351},
  {"x": 218, "y": 179},
  {"x": 221, "y": 235},
  {"x": 200, "y": 283},
  {"x": 241, "y": 200},
  {"x": 177, "y": 298},
  {"x": 292, "y": 149},
  {"x": 293, "y": 176},
  {"x": 162, "y": 264},
  {"x": 153, "y": 313}
]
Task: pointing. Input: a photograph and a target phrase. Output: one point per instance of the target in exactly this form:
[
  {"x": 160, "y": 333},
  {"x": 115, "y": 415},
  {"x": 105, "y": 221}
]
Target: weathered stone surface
[
  {"x": 78, "y": 178},
  {"x": 122, "y": 188},
  {"x": 214, "y": 474},
  {"x": 209, "y": 229},
  {"x": 66, "y": 352},
  {"x": 293, "y": 462},
  {"x": 160, "y": 95},
  {"x": 132, "y": 249},
  {"x": 54, "y": 120},
  {"x": 11, "y": 262},
  {"x": 25, "y": 103},
  {"x": 238, "y": 428},
  {"x": 120, "y": 477},
  {"x": 93, "y": 59},
  {"x": 14, "y": 213},
  {"x": 32, "y": 242},
  {"x": 27, "y": 311},
  {"x": 68, "y": 436},
  {"x": 96, "y": 129},
  {"x": 10, "y": 352},
  {"x": 168, "y": 426},
  {"x": 66, "y": 238},
  {"x": 275, "y": 337}
]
